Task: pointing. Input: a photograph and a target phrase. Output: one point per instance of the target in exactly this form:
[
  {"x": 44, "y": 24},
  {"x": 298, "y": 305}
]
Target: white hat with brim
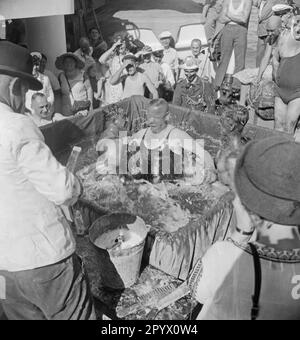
[
  {"x": 165, "y": 35},
  {"x": 146, "y": 50},
  {"x": 190, "y": 68},
  {"x": 130, "y": 57},
  {"x": 157, "y": 50},
  {"x": 281, "y": 8},
  {"x": 59, "y": 63},
  {"x": 190, "y": 64}
]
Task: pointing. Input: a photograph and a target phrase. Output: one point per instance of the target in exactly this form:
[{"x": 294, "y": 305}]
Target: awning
[{"x": 18, "y": 9}]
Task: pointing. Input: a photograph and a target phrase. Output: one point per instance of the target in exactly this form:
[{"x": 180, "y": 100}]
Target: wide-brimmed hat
[
  {"x": 165, "y": 35},
  {"x": 267, "y": 179},
  {"x": 190, "y": 64},
  {"x": 281, "y": 9},
  {"x": 146, "y": 50},
  {"x": 130, "y": 57},
  {"x": 59, "y": 63},
  {"x": 16, "y": 61},
  {"x": 158, "y": 50}
]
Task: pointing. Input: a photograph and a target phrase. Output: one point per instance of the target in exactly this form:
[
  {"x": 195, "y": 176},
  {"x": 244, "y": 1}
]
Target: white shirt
[
  {"x": 46, "y": 90},
  {"x": 171, "y": 58},
  {"x": 134, "y": 86},
  {"x": 33, "y": 230},
  {"x": 168, "y": 74},
  {"x": 215, "y": 267},
  {"x": 225, "y": 283}
]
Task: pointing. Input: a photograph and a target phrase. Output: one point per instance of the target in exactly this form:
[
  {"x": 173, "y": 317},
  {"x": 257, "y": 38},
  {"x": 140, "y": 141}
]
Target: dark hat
[
  {"x": 267, "y": 179},
  {"x": 15, "y": 61},
  {"x": 59, "y": 63}
]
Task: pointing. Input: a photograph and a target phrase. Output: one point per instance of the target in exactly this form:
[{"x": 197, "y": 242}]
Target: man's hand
[
  {"x": 244, "y": 221},
  {"x": 245, "y": 228},
  {"x": 117, "y": 44},
  {"x": 210, "y": 176},
  {"x": 256, "y": 81}
]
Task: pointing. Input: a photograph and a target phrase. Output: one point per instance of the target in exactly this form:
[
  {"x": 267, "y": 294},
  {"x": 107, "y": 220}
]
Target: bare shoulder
[
  {"x": 286, "y": 44},
  {"x": 139, "y": 135},
  {"x": 179, "y": 134}
]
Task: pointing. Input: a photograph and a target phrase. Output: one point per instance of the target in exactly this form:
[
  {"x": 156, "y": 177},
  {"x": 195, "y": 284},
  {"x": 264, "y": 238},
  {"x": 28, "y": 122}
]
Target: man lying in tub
[{"x": 162, "y": 152}]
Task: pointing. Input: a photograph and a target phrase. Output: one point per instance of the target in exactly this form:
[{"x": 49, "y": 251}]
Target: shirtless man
[
  {"x": 286, "y": 63},
  {"x": 159, "y": 152},
  {"x": 165, "y": 152},
  {"x": 265, "y": 11},
  {"x": 273, "y": 29}
]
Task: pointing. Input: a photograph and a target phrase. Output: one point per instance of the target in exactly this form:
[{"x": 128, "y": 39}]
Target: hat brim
[
  {"x": 146, "y": 53},
  {"x": 59, "y": 64},
  {"x": 281, "y": 8},
  {"x": 133, "y": 58},
  {"x": 270, "y": 208},
  {"x": 188, "y": 68},
  {"x": 34, "y": 84}
]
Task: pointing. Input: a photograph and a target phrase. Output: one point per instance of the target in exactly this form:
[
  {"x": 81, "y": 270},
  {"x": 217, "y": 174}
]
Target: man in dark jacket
[{"x": 193, "y": 92}]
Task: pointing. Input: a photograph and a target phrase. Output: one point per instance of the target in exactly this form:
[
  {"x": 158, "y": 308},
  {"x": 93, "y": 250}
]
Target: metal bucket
[{"x": 119, "y": 269}]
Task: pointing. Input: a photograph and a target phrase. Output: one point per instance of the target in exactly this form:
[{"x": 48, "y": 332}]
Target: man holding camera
[
  {"x": 113, "y": 60},
  {"x": 135, "y": 82}
]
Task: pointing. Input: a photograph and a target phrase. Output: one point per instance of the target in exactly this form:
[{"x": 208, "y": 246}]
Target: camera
[
  {"x": 36, "y": 60},
  {"x": 129, "y": 66}
]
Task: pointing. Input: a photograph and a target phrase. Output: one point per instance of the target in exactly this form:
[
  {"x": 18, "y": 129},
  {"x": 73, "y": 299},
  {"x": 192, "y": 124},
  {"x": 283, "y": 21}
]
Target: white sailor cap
[{"x": 281, "y": 8}]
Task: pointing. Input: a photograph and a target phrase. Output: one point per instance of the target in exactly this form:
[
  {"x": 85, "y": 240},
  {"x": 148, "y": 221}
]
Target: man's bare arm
[
  {"x": 205, "y": 11},
  {"x": 151, "y": 87},
  {"x": 265, "y": 61},
  {"x": 108, "y": 54},
  {"x": 275, "y": 62},
  {"x": 224, "y": 19},
  {"x": 117, "y": 77}
]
